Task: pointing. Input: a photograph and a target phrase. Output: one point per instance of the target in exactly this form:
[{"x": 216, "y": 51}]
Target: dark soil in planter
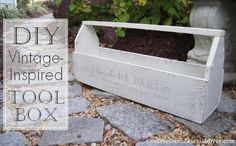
[{"x": 156, "y": 43}]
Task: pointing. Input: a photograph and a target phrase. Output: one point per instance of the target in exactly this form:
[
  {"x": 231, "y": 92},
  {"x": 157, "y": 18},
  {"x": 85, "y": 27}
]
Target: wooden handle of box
[{"x": 176, "y": 29}]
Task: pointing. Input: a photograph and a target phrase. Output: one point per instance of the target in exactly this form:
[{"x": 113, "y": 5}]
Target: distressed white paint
[
  {"x": 184, "y": 89},
  {"x": 177, "y": 29}
]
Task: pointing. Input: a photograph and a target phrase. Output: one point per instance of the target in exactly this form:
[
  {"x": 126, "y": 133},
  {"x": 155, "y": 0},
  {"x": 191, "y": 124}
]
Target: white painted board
[
  {"x": 187, "y": 90},
  {"x": 180, "y": 95}
]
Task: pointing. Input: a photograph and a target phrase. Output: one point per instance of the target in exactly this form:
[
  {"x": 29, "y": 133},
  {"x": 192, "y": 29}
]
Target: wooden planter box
[{"x": 187, "y": 90}]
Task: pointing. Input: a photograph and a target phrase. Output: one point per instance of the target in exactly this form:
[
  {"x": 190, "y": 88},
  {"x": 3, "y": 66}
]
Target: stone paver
[
  {"x": 71, "y": 77},
  {"x": 227, "y": 144},
  {"x": 1, "y": 96},
  {"x": 213, "y": 126},
  {"x": 1, "y": 92},
  {"x": 227, "y": 104},
  {"x": 1, "y": 118},
  {"x": 78, "y": 104},
  {"x": 75, "y": 90},
  {"x": 13, "y": 139},
  {"x": 101, "y": 94},
  {"x": 153, "y": 143},
  {"x": 81, "y": 130},
  {"x": 134, "y": 121}
]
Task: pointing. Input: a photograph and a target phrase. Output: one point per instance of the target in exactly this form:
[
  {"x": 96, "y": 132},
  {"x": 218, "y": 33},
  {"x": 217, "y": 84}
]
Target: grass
[
  {"x": 11, "y": 13},
  {"x": 36, "y": 10}
]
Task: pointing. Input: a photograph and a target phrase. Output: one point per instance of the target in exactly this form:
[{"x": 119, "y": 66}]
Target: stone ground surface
[
  {"x": 81, "y": 130},
  {"x": 1, "y": 93},
  {"x": 101, "y": 94},
  {"x": 153, "y": 143},
  {"x": 98, "y": 118},
  {"x": 74, "y": 90},
  {"x": 126, "y": 123},
  {"x": 1, "y": 96},
  {"x": 112, "y": 121},
  {"x": 71, "y": 77},
  {"x": 134, "y": 121},
  {"x": 214, "y": 125},
  {"x": 13, "y": 139},
  {"x": 1, "y": 102},
  {"x": 77, "y": 104},
  {"x": 1, "y": 118},
  {"x": 227, "y": 104}
]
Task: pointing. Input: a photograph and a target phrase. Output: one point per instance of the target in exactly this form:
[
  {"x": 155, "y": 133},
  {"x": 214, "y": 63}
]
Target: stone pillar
[{"x": 215, "y": 14}]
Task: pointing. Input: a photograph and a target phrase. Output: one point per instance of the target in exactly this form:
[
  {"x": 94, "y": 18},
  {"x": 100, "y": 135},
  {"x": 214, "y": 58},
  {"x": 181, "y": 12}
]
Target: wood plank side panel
[
  {"x": 179, "y": 95},
  {"x": 164, "y": 64},
  {"x": 215, "y": 75},
  {"x": 87, "y": 41}
]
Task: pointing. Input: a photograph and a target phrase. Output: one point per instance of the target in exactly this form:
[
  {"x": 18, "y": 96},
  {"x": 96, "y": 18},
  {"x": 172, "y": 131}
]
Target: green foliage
[
  {"x": 35, "y": 10},
  {"x": 58, "y": 2},
  {"x": 48, "y": 4},
  {"x": 23, "y": 10},
  {"x": 164, "y": 12},
  {"x": 22, "y": 3},
  {"x": 11, "y": 13}
]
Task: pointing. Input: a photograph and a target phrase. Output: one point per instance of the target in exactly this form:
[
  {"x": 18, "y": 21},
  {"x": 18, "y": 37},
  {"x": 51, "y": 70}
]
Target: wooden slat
[
  {"x": 214, "y": 75},
  {"x": 176, "y": 29},
  {"x": 216, "y": 48},
  {"x": 158, "y": 63},
  {"x": 180, "y": 95},
  {"x": 87, "y": 41}
]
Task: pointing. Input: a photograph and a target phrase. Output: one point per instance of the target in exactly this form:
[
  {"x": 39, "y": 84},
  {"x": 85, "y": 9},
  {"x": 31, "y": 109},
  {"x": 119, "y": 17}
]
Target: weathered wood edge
[
  {"x": 176, "y": 29},
  {"x": 148, "y": 68}
]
